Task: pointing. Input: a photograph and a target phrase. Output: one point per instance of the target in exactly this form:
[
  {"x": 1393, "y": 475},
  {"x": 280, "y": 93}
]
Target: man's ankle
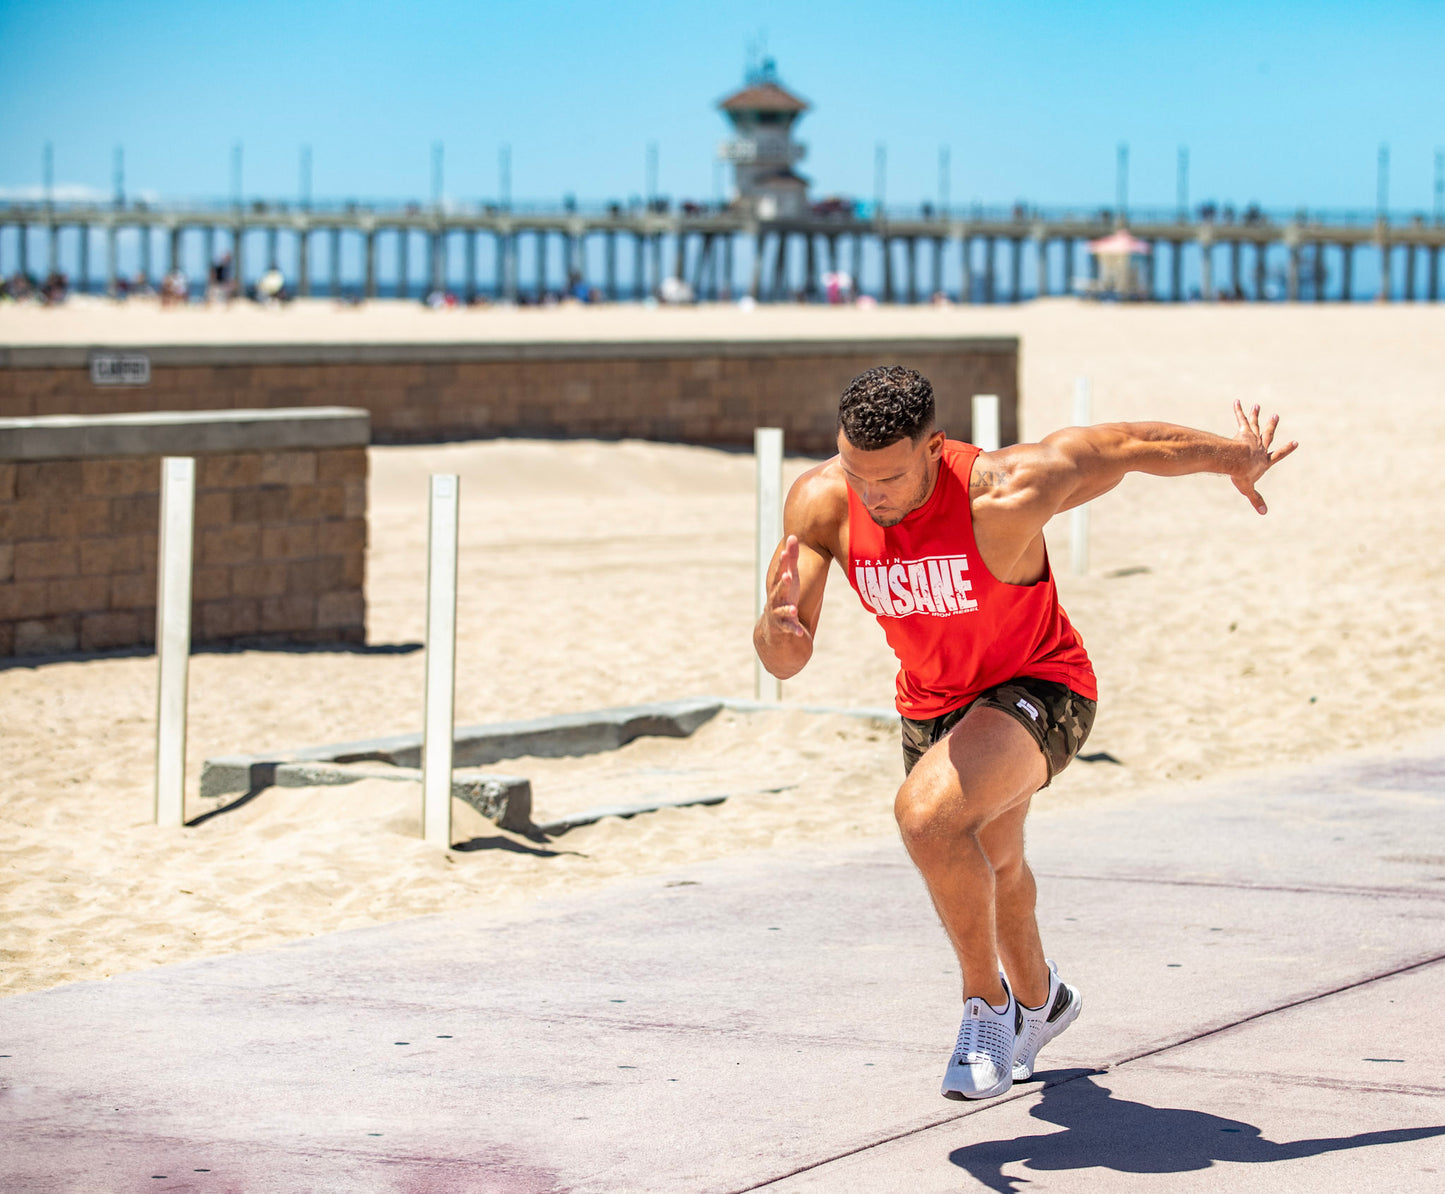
[{"x": 996, "y": 996}]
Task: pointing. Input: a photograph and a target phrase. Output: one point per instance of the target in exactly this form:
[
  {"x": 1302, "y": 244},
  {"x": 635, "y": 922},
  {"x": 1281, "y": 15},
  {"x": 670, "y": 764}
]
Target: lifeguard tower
[
  {"x": 1123, "y": 262},
  {"x": 763, "y": 151}
]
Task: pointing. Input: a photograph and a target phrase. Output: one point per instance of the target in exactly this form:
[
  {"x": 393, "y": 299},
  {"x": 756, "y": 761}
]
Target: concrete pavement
[{"x": 1261, "y": 962}]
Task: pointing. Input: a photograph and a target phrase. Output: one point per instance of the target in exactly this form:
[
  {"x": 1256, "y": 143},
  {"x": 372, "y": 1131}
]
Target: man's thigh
[{"x": 984, "y": 766}]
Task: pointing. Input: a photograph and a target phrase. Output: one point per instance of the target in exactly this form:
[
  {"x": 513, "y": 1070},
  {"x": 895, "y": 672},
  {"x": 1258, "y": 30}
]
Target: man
[{"x": 944, "y": 544}]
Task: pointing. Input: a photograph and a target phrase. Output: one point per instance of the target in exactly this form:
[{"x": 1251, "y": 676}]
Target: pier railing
[{"x": 701, "y": 250}]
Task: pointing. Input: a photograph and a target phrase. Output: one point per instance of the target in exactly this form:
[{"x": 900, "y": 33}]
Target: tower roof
[{"x": 763, "y": 97}]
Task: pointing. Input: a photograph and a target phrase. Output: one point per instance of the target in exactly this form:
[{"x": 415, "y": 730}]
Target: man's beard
[{"x": 892, "y": 520}]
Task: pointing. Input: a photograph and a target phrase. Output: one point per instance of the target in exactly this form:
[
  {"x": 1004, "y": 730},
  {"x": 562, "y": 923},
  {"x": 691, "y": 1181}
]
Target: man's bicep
[{"x": 1068, "y": 468}]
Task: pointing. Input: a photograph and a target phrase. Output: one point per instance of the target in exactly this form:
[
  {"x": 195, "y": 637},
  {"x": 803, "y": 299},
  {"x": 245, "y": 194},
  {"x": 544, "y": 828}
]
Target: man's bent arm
[{"x": 783, "y": 636}]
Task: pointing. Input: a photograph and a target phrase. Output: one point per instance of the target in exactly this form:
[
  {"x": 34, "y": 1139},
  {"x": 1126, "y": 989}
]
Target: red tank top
[{"x": 956, "y": 629}]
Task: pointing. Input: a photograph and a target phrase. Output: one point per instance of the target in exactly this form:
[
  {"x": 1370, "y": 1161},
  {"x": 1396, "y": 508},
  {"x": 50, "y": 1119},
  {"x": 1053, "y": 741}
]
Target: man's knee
[
  {"x": 1011, "y": 872},
  {"x": 931, "y": 812}
]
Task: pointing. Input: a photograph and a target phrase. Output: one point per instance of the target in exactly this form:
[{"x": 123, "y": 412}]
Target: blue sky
[{"x": 1281, "y": 103}]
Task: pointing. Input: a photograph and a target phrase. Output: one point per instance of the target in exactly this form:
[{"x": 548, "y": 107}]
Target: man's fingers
[
  {"x": 1268, "y": 436},
  {"x": 785, "y": 617},
  {"x": 1276, "y": 456}
]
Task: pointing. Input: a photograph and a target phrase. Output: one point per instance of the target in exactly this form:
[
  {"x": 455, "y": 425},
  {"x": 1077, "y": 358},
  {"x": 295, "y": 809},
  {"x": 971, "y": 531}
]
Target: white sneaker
[
  {"x": 1042, "y": 1024},
  {"x": 980, "y": 1066}
]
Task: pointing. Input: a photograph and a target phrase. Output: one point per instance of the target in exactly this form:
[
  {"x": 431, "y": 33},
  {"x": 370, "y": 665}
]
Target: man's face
[{"x": 892, "y": 482}]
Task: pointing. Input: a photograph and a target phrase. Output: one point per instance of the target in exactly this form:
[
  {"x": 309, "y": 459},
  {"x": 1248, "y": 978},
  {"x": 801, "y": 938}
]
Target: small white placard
[{"x": 120, "y": 369}]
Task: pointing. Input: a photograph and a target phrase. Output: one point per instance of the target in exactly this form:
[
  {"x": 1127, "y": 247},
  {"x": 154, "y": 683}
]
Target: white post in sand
[
  {"x": 1079, "y": 515},
  {"x": 173, "y": 635},
  {"x": 441, "y": 662},
  {"x": 985, "y": 422},
  {"x": 768, "y": 448}
]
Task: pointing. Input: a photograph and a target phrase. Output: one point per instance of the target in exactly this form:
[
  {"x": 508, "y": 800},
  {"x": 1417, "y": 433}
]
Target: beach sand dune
[{"x": 605, "y": 574}]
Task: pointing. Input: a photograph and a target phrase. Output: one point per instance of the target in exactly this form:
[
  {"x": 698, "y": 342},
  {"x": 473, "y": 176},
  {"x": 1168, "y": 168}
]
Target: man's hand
[
  {"x": 1260, "y": 459},
  {"x": 784, "y": 595}
]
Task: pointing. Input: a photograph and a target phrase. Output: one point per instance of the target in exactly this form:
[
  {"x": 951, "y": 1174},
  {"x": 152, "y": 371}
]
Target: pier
[{"x": 616, "y": 253}]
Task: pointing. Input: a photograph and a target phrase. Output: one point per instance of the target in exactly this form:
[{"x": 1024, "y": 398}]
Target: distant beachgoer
[
  {"x": 55, "y": 288},
  {"x": 271, "y": 289},
  {"x": 220, "y": 287},
  {"x": 175, "y": 288},
  {"x": 944, "y": 545}
]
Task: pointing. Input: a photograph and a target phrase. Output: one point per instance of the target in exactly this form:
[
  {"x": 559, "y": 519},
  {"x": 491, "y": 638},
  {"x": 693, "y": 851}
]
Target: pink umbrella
[{"x": 1121, "y": 243}]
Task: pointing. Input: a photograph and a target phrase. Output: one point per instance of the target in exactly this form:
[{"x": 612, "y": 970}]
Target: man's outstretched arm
[{"x": 1030, "y": 483}]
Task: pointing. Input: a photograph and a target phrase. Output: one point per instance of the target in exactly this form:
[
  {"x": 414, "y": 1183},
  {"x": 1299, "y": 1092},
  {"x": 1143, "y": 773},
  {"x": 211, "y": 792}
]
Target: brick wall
[
  {"x": 704, "y": 393},
  {"x": 280, "y": 543}
]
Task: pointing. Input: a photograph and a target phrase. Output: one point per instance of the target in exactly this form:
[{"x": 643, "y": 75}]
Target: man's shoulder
[
  {"x": 823, "y": 483},
  {"x": 818, "y": 502}
]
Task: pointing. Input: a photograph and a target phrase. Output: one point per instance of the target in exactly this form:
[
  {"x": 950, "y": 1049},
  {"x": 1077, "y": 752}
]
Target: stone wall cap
[
  {"x": 41, "y": 356},
  {"x": 172, "y": 433}
]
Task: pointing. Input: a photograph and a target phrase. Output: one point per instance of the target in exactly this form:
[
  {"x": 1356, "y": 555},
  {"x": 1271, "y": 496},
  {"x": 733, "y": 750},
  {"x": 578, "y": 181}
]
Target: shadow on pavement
[{"x": 1102, "y": 1132}]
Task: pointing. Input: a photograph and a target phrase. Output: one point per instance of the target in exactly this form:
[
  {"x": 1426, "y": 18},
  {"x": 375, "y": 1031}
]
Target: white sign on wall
[{"x": 120, "y": 369}]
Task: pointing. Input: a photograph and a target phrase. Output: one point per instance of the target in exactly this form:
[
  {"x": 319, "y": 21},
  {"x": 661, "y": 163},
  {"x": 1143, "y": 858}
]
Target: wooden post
[
  {"x": 437, "y": 243},
  {"x": 173, "y": 635},
  {"x": 112, "y": 278},
  {"x": 441, "y": 661},
  {"x": 303, "y": 261},
  {"x": 1079, "y": 515},
  {"x": 768, "y": 449},
  {"x": 985, "y": 430}
]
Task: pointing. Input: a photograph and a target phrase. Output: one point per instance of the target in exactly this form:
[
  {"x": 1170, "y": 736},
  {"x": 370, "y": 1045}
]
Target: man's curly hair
[{"x": 885, "y": 404}]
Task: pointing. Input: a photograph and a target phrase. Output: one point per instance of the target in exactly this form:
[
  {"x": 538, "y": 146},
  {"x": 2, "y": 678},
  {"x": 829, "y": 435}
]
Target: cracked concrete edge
[
  {"x": 592, "y": 815},
  {"x": 559, "y": 736},
  {"x": 506, "y": 800}
]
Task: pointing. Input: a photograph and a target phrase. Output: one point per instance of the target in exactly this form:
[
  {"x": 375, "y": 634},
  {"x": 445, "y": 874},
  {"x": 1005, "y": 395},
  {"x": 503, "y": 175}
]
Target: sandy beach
[{"x": 599, "y": 574}]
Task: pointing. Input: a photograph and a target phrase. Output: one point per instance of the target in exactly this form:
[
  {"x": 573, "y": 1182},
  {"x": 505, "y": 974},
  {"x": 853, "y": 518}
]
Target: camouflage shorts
[{"x": 1058, "y": 718}]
